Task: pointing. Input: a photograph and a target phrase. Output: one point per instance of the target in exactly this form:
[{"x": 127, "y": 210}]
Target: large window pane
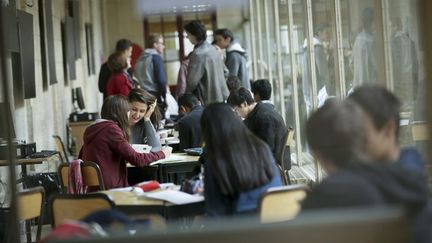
[
  {"x": 363, "y": 42},
  {"x": 324, "y": 41},
  {"x": 407, "y": 77}
]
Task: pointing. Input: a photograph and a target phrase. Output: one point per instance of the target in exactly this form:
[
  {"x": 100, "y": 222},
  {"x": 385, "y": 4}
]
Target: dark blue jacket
[
  {"x": 411, "y": 158},
  {"x": 189, "y": 129},
  {"x": 218, "y": 204}
]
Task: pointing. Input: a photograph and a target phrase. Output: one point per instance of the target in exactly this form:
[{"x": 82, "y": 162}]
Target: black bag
[{"x": 50, "y": 182}]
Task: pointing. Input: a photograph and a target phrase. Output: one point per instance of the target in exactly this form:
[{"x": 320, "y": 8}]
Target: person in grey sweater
[
  {"x": 150, "y": 71},
  {"x": 235, "y": 56},
  {"x": 144, "y": 119},
  {"x": 205, "y": 78}
]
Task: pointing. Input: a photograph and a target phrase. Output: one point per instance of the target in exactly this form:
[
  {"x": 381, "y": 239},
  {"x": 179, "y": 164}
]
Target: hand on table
[{"x": 167, "y": 151}]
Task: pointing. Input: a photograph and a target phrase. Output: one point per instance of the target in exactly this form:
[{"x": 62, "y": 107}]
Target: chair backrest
[
  {"x": 91, "y": 174},
  {"x": 280, "y": 150},
  {"x": 282, "y": 175},
  {"x": 76, "y": 207},
  {"x": 281, "y": 203},
  {"x": 419, "y": 131},
  {"x": 30, "y": 206},
  {"x": 61, "y": 149},
  {"x": 290, "y": 137},
  {"x": 284, "y": 155}
]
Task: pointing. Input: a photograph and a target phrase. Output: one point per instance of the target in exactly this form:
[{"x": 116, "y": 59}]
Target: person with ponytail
[{"x": 238, "y": 166}]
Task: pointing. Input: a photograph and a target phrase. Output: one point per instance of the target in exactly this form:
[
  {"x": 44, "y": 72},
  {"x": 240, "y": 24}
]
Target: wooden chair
[
  {"x": 419, "y": 131},
  {"x": 30, "y": 206},
  {"x": 282, "y": 175},
  {"x": 76, "y": 207},
  {"x": 284, "y": 157},
  {"x": 91, "y": 174},
  {"x": 281, "y": 203},
  {"x": 61, "y": 149}
]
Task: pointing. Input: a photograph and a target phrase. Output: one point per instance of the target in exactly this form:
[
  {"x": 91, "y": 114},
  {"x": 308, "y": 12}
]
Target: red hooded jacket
[{"x": 105, "y": 144}]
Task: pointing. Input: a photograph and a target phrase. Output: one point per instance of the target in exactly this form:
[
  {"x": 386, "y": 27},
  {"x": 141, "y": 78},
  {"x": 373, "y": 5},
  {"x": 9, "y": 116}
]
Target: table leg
[
  {"x": 23, "y": 174},
  {"x": 28, "y": 230}
]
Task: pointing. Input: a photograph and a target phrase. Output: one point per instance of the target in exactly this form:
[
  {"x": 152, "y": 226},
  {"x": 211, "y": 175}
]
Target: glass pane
[
  {"x": 272, "y": 52},
  {"x": 406, "y": 64},
  {"x": 363, "y": 37},
  {"x": 324, "y": 42},
  {"x": 171, "y": 49},
  {"x": 258, "y": 39},
  {"x": 263, "y": 61},
  {"x": 299, "y": 33},
  {"x": 286, "y": 63},
  {"x": 172, "y": 71}
]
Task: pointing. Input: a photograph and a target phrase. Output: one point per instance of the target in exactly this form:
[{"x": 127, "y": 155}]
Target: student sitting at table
[
  {"x": 188, "y": 126},
  {"x": 144, "y": 119},
  {"x": 238, "y": 166},
  {"x": 263, "y": 120},
  {"x": 106, "y": 143}
]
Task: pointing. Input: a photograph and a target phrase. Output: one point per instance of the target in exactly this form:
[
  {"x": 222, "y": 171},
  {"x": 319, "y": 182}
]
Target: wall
[
  {"x": 121, "y": 21},
  {"x": 39, "y": 118}
]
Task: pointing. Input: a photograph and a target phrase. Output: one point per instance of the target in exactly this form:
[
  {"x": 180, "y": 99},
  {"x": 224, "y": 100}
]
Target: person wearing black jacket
[
  {"x": 262, "y": 119},
  {"x": 189, "y": 126}
]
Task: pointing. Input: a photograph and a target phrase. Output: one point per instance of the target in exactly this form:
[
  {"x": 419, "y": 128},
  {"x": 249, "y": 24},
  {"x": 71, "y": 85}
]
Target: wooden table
[
  {"x": 130, "y": 204},
  {"x": 24, "y": 162}
]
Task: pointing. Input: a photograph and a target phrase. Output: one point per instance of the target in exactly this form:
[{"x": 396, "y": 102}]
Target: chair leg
[
  {"x": 39, "y": 227},
  {"x": 288, "y": 180},
  {"x": 28, "y": 231}
]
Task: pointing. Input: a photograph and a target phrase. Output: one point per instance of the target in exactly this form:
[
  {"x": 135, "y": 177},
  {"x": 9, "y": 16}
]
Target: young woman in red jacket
[
  {"x": 106, "y": 142},
  {"x": 120, "y": 81}
]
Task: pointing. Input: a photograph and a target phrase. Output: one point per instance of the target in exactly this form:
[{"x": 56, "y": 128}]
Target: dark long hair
[
  {"x": 142, "y": 96},
  {"x": 115, "y": 108},
  {"x": 240, "y": 160}
]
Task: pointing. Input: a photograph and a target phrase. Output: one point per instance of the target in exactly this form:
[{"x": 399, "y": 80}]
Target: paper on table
[
  {"x": 171, "y": 158},
  {"x": 174, "y": 196},
  {"x": 121, "y": 189}
]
